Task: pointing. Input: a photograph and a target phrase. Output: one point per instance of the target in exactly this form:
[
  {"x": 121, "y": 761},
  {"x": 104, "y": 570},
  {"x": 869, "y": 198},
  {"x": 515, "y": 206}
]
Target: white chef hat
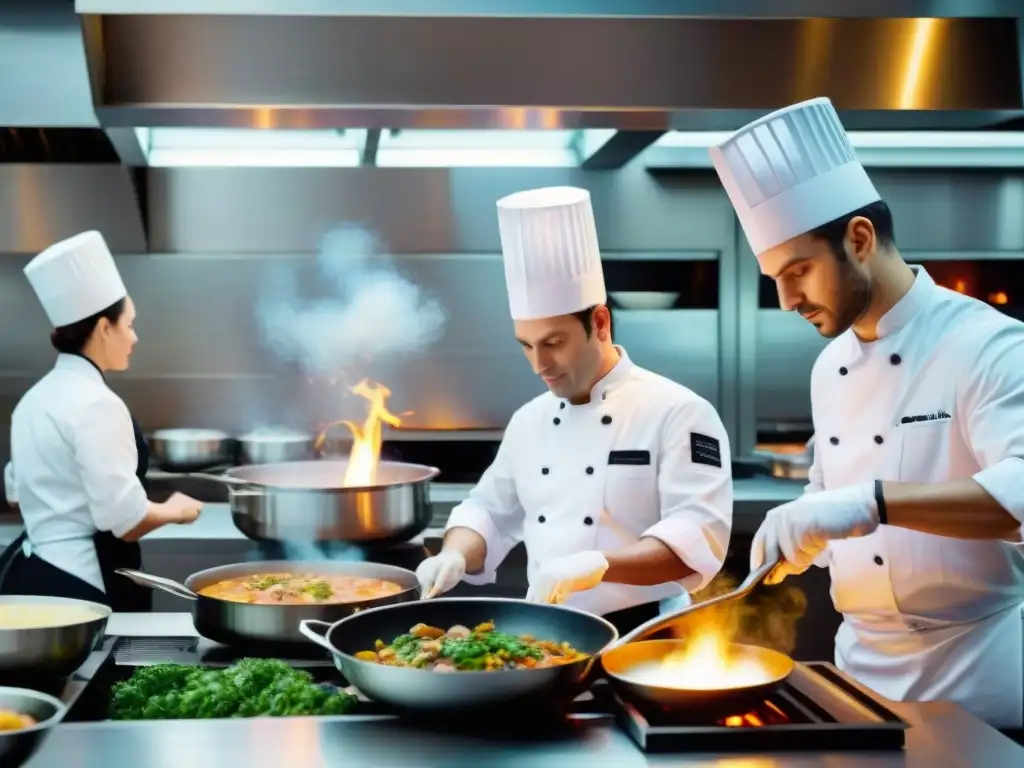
[
  {"x": 790, "y": 172},
  {"x": 552, "y": 259},
  {"x": 75, "y": 278}
]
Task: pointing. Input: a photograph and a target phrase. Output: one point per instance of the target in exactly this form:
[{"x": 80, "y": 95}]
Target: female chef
[
  {"x": 78, "y": 460},
  {"x": 618, "y": 480},
  {"x": 916, "y": 493}
]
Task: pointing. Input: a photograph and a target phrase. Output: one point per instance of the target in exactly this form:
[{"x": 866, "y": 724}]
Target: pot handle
[
  {"x": 307, "y": 631},
  {"x": 223, "y": 479},
  {"x": 158, "y": 582},
  {"x": 660, "y": 622}
]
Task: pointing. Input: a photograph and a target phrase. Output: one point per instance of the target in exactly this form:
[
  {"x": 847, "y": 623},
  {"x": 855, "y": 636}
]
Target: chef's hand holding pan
[
  {"x": 798, "y": 532},
  {"x": 559, "y": 578},
  {"x": 440, "y": 573}
]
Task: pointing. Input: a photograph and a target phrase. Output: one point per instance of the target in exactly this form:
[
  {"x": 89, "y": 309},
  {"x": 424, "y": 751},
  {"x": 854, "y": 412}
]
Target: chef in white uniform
[
  {"x": 78, "y": 459},
  {"x": 617, "y": 479},
  {"x": 916, "y": 492}
]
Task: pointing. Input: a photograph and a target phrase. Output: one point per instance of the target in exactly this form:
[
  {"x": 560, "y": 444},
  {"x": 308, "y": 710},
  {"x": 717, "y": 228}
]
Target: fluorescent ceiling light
[
  {"x": 169, "y": 147},
  {"x": 894, "y": 149},
  {"x": 178, "y": 147},
  {"x": 491, "y": 148}
]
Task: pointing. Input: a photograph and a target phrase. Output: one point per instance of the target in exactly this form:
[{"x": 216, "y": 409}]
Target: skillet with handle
[{"x": 234, "y": 623}]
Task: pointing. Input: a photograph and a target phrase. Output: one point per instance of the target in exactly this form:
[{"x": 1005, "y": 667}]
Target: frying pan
[
  {"x": 306, "y": 501},
  {"x": 231, "y": 623},
  {"x": 423, "y": 692},
  {"x": 630, "y": 652}
]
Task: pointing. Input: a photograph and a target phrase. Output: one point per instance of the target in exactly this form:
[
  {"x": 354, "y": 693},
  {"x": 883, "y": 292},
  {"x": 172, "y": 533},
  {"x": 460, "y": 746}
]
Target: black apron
[{"x": 20, "y": 575}]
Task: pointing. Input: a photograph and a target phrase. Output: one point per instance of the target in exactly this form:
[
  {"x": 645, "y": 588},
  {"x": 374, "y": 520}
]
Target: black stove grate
[
  {"x": 817, "y": 709},
  {"x": 144, "y": 651}
]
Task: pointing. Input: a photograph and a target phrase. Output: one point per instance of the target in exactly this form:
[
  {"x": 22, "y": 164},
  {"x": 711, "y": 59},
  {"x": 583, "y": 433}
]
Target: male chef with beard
[
  {"x": 916, "y": 492},
  {"x": 617, "y": 479}
]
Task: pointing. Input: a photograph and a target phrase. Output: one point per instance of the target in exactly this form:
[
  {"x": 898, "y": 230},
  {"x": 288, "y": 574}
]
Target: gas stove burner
[
  {"x": 816, "y": 709},
  {"x": 767, "y": 714},
  {"x": 144, "y": 651}
]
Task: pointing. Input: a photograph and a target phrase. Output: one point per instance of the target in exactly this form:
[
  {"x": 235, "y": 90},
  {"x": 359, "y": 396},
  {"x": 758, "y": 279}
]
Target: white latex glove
[
  {"x": 797, "y": 532},
  {"x": 558, "y": 579},
  {"x": 441, "y": 573}
]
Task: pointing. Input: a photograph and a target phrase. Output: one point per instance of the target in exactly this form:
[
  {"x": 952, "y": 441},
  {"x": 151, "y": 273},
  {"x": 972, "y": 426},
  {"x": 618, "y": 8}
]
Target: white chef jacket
[
  {"x": 73, "y": 465},
  {"x": 938, "y": 397},
  {"x": 645, "y": 457}
]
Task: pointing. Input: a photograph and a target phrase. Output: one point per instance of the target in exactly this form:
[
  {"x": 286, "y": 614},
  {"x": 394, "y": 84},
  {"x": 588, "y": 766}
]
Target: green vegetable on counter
[{"x": 249, "y": 688}]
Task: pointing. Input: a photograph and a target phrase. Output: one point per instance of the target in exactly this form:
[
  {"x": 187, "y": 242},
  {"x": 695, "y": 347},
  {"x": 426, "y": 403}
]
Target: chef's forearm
[
  {"x": 470, "y": 544},
  {"x": 647, "y": 562},
  {"x": 157, "y": 516},
  {"x": 959, "y": 509}
]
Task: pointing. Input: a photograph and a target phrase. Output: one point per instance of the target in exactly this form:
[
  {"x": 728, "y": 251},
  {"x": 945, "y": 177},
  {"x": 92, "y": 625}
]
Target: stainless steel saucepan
[
  {"x": 232, "y": 623},
  {"x": 275, "y": 445},
  {"x": 188, "y": 450},
  {"x": 307, "y": 501}
]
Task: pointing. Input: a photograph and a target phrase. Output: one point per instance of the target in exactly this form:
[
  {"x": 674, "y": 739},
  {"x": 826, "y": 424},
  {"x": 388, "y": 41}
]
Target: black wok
[
  {"x": 232, "y": 623},
  {"x": 425, "y": 692}
]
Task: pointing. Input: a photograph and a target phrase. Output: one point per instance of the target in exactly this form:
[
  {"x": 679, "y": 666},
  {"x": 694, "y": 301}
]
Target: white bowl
[{"x": 644, "y": 299}]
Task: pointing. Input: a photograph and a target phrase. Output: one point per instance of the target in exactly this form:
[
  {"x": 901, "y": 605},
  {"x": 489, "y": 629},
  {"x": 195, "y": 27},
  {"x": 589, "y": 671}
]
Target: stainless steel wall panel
[
  {"x": 43, "y": 203},
  {"x": 418, "y": 210}
]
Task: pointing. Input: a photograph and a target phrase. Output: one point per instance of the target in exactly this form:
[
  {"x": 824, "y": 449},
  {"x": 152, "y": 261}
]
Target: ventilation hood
[{"x": 302, "y": 64}]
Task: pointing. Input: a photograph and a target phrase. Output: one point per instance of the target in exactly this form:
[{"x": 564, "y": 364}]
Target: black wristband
[{"x": 883, "y": 515}]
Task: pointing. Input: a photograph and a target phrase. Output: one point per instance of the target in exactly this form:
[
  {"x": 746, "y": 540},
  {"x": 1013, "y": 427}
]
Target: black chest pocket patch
[
  {"x": 630, "y": 458},
  {"x": 705, "y": 450}
]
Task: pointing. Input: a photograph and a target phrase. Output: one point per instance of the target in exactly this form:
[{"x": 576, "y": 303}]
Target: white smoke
[{"x": 365, "y": 308}]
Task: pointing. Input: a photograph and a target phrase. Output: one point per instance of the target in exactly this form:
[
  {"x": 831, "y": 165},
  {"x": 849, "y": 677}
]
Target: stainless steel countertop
[
  {"x": 753, "y": 497},
  {"x": 941, "y": 735}
]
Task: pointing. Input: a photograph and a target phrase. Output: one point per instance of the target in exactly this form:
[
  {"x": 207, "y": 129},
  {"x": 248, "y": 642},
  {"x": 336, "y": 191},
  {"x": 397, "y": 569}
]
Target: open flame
[
  {"x": 707, "y": 664},
  {"x": 367, "y": 438}
]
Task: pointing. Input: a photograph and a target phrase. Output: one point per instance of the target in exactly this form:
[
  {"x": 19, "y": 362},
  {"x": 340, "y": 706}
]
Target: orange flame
[
  {"x": 707, "y": 663},
  {"x": 367, "y": 439}
]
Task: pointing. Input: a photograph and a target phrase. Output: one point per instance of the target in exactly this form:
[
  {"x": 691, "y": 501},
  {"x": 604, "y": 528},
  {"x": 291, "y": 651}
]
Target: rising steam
[
  {"x": 361, "y": 307},
  {"x": 767, "y": 617}
]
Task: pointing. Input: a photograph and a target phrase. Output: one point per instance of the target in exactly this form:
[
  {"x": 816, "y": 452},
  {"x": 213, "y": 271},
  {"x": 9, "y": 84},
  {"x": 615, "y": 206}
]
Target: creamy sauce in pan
[
  {"x": 299, "y": 589},
  {"x": 40, "y": 616}
]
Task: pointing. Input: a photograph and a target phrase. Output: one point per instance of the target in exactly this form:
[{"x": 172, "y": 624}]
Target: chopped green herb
[
  {"x": 318, "y": 590},
  {"x": 249, "y": 688}
]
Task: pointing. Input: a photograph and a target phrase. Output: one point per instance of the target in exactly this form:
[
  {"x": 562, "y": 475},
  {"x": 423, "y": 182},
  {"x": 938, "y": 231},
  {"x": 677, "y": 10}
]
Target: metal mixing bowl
[
  {"x": 17, "y": 747},
  {"x": 50, "y": 652}
]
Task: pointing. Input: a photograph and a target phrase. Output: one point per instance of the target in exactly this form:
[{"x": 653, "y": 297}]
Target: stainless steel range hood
[{"x": 599, "y": 64}]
